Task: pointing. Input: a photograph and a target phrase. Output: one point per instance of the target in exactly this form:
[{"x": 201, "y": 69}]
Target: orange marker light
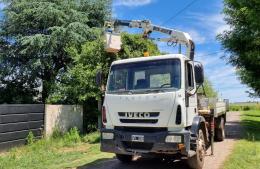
[
  {"x": 146, "y": 54},
  {"x": 181, "y": 146}
]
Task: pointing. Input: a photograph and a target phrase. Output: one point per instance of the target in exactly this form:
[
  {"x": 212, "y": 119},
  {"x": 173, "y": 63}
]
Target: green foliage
[
  {"x": 135, "y": 46},
  {"x": 246, "y": 151},
  {"x": 57, "y": 133},
  {"x": 69, "y": 138},
  {"x": 92, "y": 138},
  {"x": 30, "y": 138},
  {"x": 72, "y": 137},
  {"x": 242, "y": 42},
  {"x": 12, "y": 93},
  {"x": 54, "y": 153},
  {"x": 35, "y": 37},
  {"x": 244, "y": 107},
  {"x": 209, "y": 90},
  {"x": 78, "y": 85}
]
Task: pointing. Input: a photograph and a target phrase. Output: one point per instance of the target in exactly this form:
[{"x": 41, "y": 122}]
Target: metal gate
[{"x": 17, "y": 120}]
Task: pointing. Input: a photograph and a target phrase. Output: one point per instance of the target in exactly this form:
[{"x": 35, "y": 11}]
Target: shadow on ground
[
  {"x": 253, "y": 128},
  {"x": 233, "y": 130},
  {"x": 140, "y": 163}
]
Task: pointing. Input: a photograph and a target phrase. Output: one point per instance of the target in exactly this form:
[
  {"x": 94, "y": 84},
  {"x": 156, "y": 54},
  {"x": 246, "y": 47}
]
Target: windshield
[{"x": 145, "y": 76}]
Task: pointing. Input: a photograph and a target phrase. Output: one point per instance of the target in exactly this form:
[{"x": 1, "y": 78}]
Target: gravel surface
[{"x": 222, "y": 150}]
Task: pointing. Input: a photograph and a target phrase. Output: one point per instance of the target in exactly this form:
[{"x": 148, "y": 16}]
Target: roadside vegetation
[
  {"x": 69, "y": 150},
  {"x": 246, "y": 154},
  {"x": 244, "y": 106},
  {"x": 243, "y": 20}
]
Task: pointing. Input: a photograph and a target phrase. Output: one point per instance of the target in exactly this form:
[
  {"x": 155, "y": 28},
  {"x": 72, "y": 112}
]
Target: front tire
[
  {"x": 197, "y": 161},
  {"x": 124, "y": 158}
]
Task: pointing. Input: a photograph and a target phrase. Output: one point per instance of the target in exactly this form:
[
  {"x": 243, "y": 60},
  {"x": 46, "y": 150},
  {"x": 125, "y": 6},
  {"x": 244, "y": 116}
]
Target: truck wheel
[
  {"x": 124, "y": 158},
  {"x": 220, "y": 131},
  {"x": 197, "y": 161}
]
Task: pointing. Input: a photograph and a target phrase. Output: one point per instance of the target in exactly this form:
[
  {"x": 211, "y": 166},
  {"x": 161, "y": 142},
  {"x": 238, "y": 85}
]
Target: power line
[
  {"x": 213, "y": 53},
  {"x": 179, "y": 12}
]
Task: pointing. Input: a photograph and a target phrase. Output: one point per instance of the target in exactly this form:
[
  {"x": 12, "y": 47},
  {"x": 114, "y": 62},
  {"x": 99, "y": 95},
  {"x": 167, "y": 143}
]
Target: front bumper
[{"x": 153, "y": 143}]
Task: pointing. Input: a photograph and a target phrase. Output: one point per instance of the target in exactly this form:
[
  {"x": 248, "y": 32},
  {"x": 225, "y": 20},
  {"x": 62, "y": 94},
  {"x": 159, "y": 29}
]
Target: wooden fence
[{"x": 17, "y": 120}]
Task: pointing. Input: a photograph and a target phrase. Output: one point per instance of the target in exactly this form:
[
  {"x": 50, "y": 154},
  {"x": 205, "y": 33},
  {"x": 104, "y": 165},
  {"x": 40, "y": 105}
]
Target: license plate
[{"x": 137, "y": 138}]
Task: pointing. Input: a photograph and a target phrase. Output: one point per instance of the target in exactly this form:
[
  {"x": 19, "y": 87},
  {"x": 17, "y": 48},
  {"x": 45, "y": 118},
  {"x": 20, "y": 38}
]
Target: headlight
[
  {"x": 173, "y": 139},
  {"x": 107, "y": 136}
]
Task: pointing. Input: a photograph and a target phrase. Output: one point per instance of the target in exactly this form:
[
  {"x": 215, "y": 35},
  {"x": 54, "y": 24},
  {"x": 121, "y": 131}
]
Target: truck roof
[{"x": 150, "y": 58}]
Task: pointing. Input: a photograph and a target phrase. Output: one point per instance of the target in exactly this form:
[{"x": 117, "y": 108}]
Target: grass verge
[
  {"x": 246, "y": 154},
  {"x": 67, "y": 151},
  {"x": 244, "y": 106}
]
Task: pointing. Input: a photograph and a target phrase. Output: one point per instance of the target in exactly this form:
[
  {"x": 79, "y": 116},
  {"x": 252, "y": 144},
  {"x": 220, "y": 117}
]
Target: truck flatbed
[{"x": 212, "y": 106}]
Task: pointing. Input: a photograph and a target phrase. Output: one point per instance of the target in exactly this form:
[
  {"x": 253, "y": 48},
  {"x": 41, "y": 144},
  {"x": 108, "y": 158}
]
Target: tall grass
[
  {"x": 246, "y": 154},
  {"x": 69, "y": 150}
]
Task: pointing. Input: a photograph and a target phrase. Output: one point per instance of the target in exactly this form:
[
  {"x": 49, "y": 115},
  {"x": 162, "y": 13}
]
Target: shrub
[
  {"x": 30, "y": 138},
  {"x": 92, "y": 138},
  {"x": 246, "y": 108},
  {"x": 72, "y": 136},
  {"x": 57, "y": 133},
  {"x": 237, "y": 107},
  {"x": 234, "y": 108}
]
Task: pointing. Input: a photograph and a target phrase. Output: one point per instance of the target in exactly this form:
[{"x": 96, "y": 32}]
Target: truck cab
[
  {"x": 149, "y": 106},
  {"x": 150, "y": 92}
]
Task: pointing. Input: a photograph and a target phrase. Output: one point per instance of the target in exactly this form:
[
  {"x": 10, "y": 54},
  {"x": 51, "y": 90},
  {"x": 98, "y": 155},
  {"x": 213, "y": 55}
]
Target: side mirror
[
  {"x": 189, "y": 93},
  {"x": 99, "y": 78},
  {"x": 199, "y": 73}
]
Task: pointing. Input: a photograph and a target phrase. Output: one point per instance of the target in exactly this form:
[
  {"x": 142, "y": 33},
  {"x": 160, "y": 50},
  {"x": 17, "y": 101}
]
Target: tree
[
  {"x": 135, "y": 46},
  {"x": 35, "y": 37},
  {"x": 17, "y": 85},
  {"x": 242, "y": 41},
  {"x": 78, "y": 85},
  {"x": 208, "y": 88}
]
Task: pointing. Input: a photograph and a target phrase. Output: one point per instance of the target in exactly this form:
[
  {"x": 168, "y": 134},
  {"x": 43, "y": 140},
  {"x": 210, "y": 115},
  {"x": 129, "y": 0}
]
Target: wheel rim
[
  {"x": 201, "y": 147},
  {"x": 223, "y": 130}
]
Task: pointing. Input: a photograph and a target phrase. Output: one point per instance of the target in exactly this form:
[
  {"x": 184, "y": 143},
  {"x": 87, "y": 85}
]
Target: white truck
[{"x": 151, "y": 106}]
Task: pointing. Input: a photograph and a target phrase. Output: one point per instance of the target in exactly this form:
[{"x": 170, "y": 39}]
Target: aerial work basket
[{"x": 113, "y": 42}]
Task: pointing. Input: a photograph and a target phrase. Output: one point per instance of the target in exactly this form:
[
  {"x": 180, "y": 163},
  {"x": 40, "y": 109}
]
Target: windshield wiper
[
  {"x": 154, "y": 90},
  {"x": 139, "y": 91},
  {"x": 157, "y": 90},
  {"x": 123, "y": 92}
]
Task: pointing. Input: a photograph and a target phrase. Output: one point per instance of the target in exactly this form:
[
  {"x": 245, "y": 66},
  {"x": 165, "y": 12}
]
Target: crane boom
[{"x": 175, "y": 35}]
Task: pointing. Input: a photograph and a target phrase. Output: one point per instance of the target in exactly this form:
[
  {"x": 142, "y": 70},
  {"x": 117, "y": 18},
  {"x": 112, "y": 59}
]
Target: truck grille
[
  {"x": 139, "y": 117},
  {"x": 138, "y": 121},
  {"x": 140, "y": 129}
]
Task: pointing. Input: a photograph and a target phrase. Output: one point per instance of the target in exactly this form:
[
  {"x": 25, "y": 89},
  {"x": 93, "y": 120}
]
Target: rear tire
[
  {"x": 220, "y": 131},
  {"x": 124, "y": 158},
  {"x": 197, "y": 161}
]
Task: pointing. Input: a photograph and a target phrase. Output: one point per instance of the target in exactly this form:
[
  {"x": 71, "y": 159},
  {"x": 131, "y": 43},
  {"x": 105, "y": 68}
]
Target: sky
[{"x": 203, "y": 20}]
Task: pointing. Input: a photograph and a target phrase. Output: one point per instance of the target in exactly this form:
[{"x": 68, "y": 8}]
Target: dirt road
[{"x": 222, "y": 150}]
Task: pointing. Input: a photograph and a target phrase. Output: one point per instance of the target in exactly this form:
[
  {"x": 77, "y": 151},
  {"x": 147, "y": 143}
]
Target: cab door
[{"x": 191, "y": 96}]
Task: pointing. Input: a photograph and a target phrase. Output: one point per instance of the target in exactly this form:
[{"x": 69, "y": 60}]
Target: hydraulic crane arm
[{"x": 175, "y": 35}]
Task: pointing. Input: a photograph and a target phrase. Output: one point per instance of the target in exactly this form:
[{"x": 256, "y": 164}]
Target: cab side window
[{"x": 190, "y": 76}]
